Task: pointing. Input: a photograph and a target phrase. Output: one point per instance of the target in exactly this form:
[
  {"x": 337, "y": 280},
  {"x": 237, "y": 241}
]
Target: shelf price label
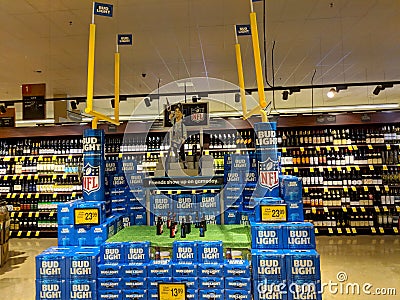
[
  {"x": 385, "y": 209},
  {"x": 355, "y": 148},
  {"x": 362, "y": 209},
  {"x": 329, "y": 169},
  {"x": 172, "y": 291},
  {"x": 344, "y": 208},
  {"x": 321, "y": 169},
  {"x": 302, "y": 149},
  {"x": 381, "y": 230},
  {"x": 371, "y": 167},
  {"x": 373, "y": 230},
  {"x": 388, "y": 147},
  {"x": 353, "y": 230},
  {"x": 350, "y": 147},
  {"x": 37, "y": 214},
  {"x": 348, "y": 231},
  {"x": 353, "y": 188},
  {"x": 354, "y": 209},
  {"x": 339, "y": 230},
  {"x": 312, "y": 170},
  {"x": 377, "y": 188},
  {"x": 273, "y": 213},
  {"x": 398, "y": 208},
  {"x": 314, "y": 210},
  {"x": 284, "y": 150},
  {"x": 306, "y": 189},
  {"x": 37, "y": 233},
  {"x": 377, "y": 209},
  {"x": 395, "y": 230},
  {"x": 330, "y": 230},
  {"x": 384, "y": 167},
  {"x": 316, "y": 230},
  {"x": 283, "y": 170},
  {"x": 346, "y": 189},
  {"x": 370, "y": 147},
  {"x": 339, "y": 169},
  {"x": 28, "y": 234},
  {"x": 336, "y": 148},
  {"x": 365, "y": 188},
  {"x": 357, "y": 168},
  {"x": 386, "y": 188},
  {"x": 318, "y": 148},
  {"x": 328, "y": 148},
  {"x": 326, "y": 209},
  {"x": 86, "y": 216}
]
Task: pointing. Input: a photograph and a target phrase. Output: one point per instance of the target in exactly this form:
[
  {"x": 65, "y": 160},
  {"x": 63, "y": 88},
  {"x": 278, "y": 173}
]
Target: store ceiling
[{"x": 344, "y": 41}]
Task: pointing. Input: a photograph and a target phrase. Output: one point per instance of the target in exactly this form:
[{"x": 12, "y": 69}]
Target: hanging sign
[
  {"x": 243, "y": 29},
  {"x": 124, "y": 39},
  {"x": 103, "y": 9}
]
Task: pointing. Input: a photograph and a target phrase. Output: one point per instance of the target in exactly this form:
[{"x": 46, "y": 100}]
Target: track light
[
  {"x": 74, "y": 104},
  {"x": 112, "y": 103},
  {"x": 341, "y": 88},
  {"x": 381, "y": 87},
  {"x": 3, "y": 109},
  {"x": 285, "y": 95},
  {"x": 147, "y": 102},
  {"x": 331, "y": 93},
  {"x": 237, "y": 97},
  {"x": 195, "y": 99}
]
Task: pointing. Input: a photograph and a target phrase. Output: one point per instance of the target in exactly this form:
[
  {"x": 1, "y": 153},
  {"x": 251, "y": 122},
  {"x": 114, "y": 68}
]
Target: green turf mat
[{"x": 233, "y": 236}]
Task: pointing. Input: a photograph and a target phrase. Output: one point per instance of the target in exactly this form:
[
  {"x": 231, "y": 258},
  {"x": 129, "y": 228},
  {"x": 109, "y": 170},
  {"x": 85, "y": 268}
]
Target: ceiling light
[
  {"x": 285, "y": 95},
  {"x": 3, "y": 109},
  {"x": 237, "y": 97},
  {"x": 147, "y": 101},
  {"x": 331, "y": 93}
]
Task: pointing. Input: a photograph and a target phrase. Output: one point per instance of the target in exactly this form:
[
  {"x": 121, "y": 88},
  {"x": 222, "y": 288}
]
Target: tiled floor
[{"x": 366, "y": 261}]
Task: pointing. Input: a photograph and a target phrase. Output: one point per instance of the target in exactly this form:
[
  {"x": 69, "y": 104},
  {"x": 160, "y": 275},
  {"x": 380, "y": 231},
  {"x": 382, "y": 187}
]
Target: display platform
[{"x": 232, "y": 236}]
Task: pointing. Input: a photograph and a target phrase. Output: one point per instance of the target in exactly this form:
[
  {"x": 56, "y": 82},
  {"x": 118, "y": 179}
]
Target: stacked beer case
[{"x": 285, "y": 264}]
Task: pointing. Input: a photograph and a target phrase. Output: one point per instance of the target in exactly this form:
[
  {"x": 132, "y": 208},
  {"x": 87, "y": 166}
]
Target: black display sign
[
  {"x": 326, "y": 119},
  {"x": 187, "y": 182},
  {"x": 34, "y": 107},
  {"x": 194, "y": 114},
  {"x": 7, "y": 121}
]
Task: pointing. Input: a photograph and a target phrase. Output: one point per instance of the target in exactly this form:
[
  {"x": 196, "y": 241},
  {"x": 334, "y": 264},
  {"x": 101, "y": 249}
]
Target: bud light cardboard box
[
  {"x": 213, "y": 218},
  {"x": 82, "y": 289},
  {"x": 100, "y": 233},
  {"x": 160, "y": 268},
  {"x": 250, "y": 177},
  {"x": 129, "y": 166},
  {"x": 52, "y": 265},
  {"x": 134, "y": 295},
  {"x": 185, "y": 205},
  {"x": 238, "y": 268},
  {"x": 184, "y": 251},
  {"x": 210, "y": 252},
  {"x": 184, "y": 270},
  {"x": 154, "y": 281},
  {"x": 191, "y": 282},
  {"x": 140, "y": 218},
  {"x": 135, "y": 283},
  {"x": 134, "y": 270},
  {"x": 232, "y": 200},
  {"x": 210, "y": 270},
  {"x": 66, "y": 235},
  {"x": 240, "y": 163},
  {"x": 82, "y": 236},
  {"x": 50, "y": 289},
  {"x": 237, "y": 294},
  {"x": 298, "y": 235},
  {"x": 152, "y": 294},
  {"x": 209, "y": 203},
  {"x": 237, "y": 283},
  {"x": 304, "y": 289},
  {"x": 231, "y": 177},
  {"x": 160, "y": 205},
  {"x": 295, "y": 211},
  {"x": 231, "y": 217},
  {"x": 65, "y": 212},
  {"x": 136, "y": 252},
  {"x": 291, "y": 188},
  {"x": 270, "y": 289},
  {"x": 111, "y": 253},
  {"x": 268, "y": 264},
  {"x": 109, "y": 271},
  {"x": 211, "y": 294},
  {"x": 135, "y": 181},
  {"x": 109, "y": 284},
  {"x": 109, "y": 295},
  {"x": 265, "y": 135},
  {"x": 83, "y": 265},
  {"x": 207, "y": 283},
  {"x": 192, "y": 294},
  {"x": 303, "y": 264},
  {"x": 117, "y": 191},
  {"x": 110, "y": 167},
  {"x": 117, "y": 181},
  {"x": 266, "y": 236}
]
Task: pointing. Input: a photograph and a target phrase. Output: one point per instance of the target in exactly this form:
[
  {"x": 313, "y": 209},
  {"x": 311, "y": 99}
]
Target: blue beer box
[
  {"x": 110, "y": 167},
  {"x": 236, "y": 268},
  {"x": 192, "y": 294},
  {"x": 83, "y": 236},
  {"x": 65, "y": 212},
  {"x": 237, "y": 283},
  {"x": 211, "y": 283},
  {"x": 210, "y": 270},
  {"x": 66, "y": 249},
  {"x": 152, "y": 294},
  {"x": 52, "y": 265},
  {"x": 208, "y": 202},
  {"x": 191, "y": 282},
  {"x": 109, "y": 284},
  {"x": 134, "y": 180},
  {"x": 133, "y": 270},
  {"x": 270, "y": 289},
  {"x": 240, "y": 162},
  {"x": 83, "y": 264},
  {"x": 111, "y": 253},
  {"x": 140, "y": 218},
  {"x": 231, "y": 216},
  {"x": 154, "y": 281},
  {"x": 117, "y": 181},
  {"x": 210, "y": 252},
  {"x": 82, "y": 289},
  {"x": 160, "y": 268},
  {"x": 231, "y": 177},
  {"x": 48, "y": 289},
  {"x": 234, "y": 189},
  {"x": 237, "y": 294},
  {"x": 298, "y": 235},
  {"x": 119, "y": 209},
  {"x": 117, "y": 191},
  {"x": 66, "y": 235},
  {"x": 268, "y": 264},
  {"x": 291, "y": 188},
  {"x": 295, "y": 211},
  {"x": 184, "y": 270},
  {"x": 109, "y": 295},
  {"x": 250, "y": 177},
  {"x": 213, "y": 218},
  {"x": 304, "y": 289},
  {"x": 129, "y": 166},
  {"x": 100, "y": 233},
  {"x": 109, "y": 271},
  {"x": 134, "y": 294},
  {"x": 227, "y": 162},
  {"x": 266, "y": 235},
  {"x": 232, "y": 201},
  {"x": 184, "y": 251},
  {"x": 303, "y": 265},
  {"x": 161, "y": 204},
  {"x": 135, "y": 283},
  {"x": 118, "y": 201},
  {"x": 136, "y": 252},
  {"x": 211, "y": 294},
  {"x": 265, "y": 135}
]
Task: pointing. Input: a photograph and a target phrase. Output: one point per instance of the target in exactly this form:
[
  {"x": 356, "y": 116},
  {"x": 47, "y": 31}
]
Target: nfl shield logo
[
  {"x": 268, "y": 173},
  {"x": 197, "y": 115},
  {"x": 90, "y": 179}
]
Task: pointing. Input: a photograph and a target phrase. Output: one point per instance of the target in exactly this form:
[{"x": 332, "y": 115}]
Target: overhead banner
[
  {"x": 124, "y": 39},
  {"x": 194, "y": 114},
  {"x": 103, "y": 9},
  {"x": 34, "y": 105},
  {"x": 243, "y": 29}
]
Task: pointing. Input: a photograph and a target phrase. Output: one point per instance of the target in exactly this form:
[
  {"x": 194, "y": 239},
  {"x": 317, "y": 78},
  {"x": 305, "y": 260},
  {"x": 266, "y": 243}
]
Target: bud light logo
[
  {"x": 90, "y": 180},
  {"x": 268, "y": 174}
]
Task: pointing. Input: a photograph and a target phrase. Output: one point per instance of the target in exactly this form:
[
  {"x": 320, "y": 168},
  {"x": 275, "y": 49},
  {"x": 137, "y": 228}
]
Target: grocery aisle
[{"x": 364, "y": 260}]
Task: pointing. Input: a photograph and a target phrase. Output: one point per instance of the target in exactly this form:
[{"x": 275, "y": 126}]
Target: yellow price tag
[
  {"x": 384, "y": 167},
  {"x": 385, "y": 209},
  {"x": 370, "y": 147},
  {"x": 20, "y": 214},
  {"x": 73, "y": 195},
  {"x": 354, "y": 209},
  {"x": 329, "y": 169},
  {"x": 325, "y": 189},
  {"x": 29, "y": 177},
  {"x": 54, "y": 157},
  {"x": 21, "y": 195},
  {"x": 316, "y": 230},
  {"x": 326, "y": 209},
  {"x": 344, "y": 208},
  {"x": 373, "y": 230},
  {"x": 395, "y": 230},
  {"x": 283, "y": 170},
  {"x": 120, "y": 155},
  {"x": 355, "y": 148},
  {"x": 371, "y": 167},
  {"x": 377, "y": 209},
  {"x": 273, "y": 213},
  {"x": 69, "y": 157},
  {"x": 328, "y": 148},
  {"x": 36, "y": 177},
  {"x": 296, "y": 169},
  {"x": 353, "y": 188},
  {"x": 388, "y": 147},
  {"x": 37, "y": 214},
  {"x": 64, "y": 176},
  {"x": 19, "y": 233},
  {"x": 345, "y": 188},
  {"x": 40, "y": 158},
  {"x": 172, "y": 291},
  {"x": 178, "y": 192},
  {"x": 312, "y": 170},
  {"x": 22, "y": 158},
  {"x": 8, "y": 196},
  {"x": 190, "y": 152},
  {"x": 306, "y": 189},
  {"x": 193, "y": 192},
  {"x": 30, "y": 157},
  {"x": 51, "y": 213},
  {"x": 206, "y": 152},
  {"x": 354, "y": 231},
  {"x": 169, "y": 192},
  {"x": 13, "y": 195},
  {"x": 302, "y": 149},
  {"x": 339, "y": 230},
  {"x": 54, "y": 176},
  {"x": 318, "y": 148},
  {"x": 314, "y": 210},
  {"x": 339, "y": 169},
  {"x": 350, "y": 147},
  {"x": 237, "y": 151},
  {"x": 336, "y": 148},
  {"x": 357, "y": 168},
  {"x": 5, "y": 177},
  {"x": 30, "y": 214},
  {"x": 362, "y": 209},
  {"x": 321, "y": 169},
  {"x": 365, "y": 188},
  {"x": 37, "y": 233},
  {"x": 21, "y": 177},
  {"x": 28, "y": 233},
  {"x": 386, "y": 188},
  {"x": 348, "y": 231},
  {"x": 330, "y": 230},
  {"x": 381, "y": 230},
  {"x": 398, "y": 208},
  {"x": 86, "y": 216},
  {"x": 54, "y": 195},
  {"x": 7, "y": 158},
  {"x": 37, "y": 196},
  {"x": 12, "y": 215},
  {"x": 158, "y": 192},
  {"x": 284, "y": 150},
  {"x": 377, "y": 188},
  {"x": 14, "y": 177}
]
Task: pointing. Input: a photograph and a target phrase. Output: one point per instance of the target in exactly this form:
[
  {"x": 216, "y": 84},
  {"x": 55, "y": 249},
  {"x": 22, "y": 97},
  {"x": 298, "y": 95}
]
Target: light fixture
[
  {"x": 381, "y": 87},
  {"x": 341, "y": 88},
  {"x": 112, "y": 103},
  {"x": 3, "y": 109},
  {"x": 147, "y": 102},
  {"x": 340, "y": 108},
  {"x": 74, "y": 104},
  {"x": 331, "y": 93},
  {"x": 237, "y": 97},
  {"x": 285, "y": 95}
]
